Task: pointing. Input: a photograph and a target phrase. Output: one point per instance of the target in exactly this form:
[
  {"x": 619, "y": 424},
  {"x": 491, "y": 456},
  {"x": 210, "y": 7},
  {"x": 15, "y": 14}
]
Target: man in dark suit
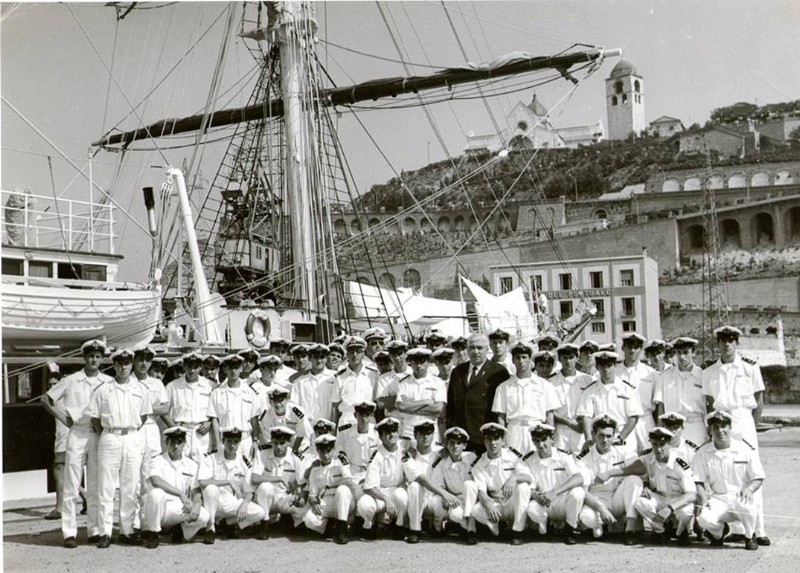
[{"x": 470, "y": 393}]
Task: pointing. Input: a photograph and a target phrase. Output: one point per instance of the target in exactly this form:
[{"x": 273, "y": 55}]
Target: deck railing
[{"x": 41, "y": 221}]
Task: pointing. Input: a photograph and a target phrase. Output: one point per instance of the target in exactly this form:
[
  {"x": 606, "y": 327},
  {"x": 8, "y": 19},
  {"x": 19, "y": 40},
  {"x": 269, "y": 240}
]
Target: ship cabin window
[
  {"x": 506, "y": 284},
  {"x": 13, "y": 267},
  {"x": 94, "y": 273},
  {"x": 69, "y": 271},
  {"x": 23, "y": 383},
  {"x": 626, "y": 278},
  {"x": 81, "y": 272},
  {"x": 596, "y": 279},
  {"x": 565, "y": 280},
  {"x": 598, "y": 327},
  {"x": 41, "y": 269},
  {"x": 566, "y": 309}
]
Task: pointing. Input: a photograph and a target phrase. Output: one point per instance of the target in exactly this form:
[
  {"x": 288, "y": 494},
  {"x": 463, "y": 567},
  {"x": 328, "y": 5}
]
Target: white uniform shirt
[
  {"x": 525, "y": 400},
  {"x": 357, "y": 447},
  {"x": 314, "y": 393},
  {"x": 180, "y": 474},
  {"x": 120, "y": 406},
  {"x": 352, "y": 388},
  {"x": 73, "y": 392},
  {"x": 490, "y": 474},
  {"x": 592, "y": 463},
  {"x": 291, "y": 466},
  {"x": 294, "y": 418},
  {"x": 508, "y": 363},
  {"x": 671, "y": 478},
  {"x": 233, "y": 407},
  {"x": 215, "y": 466},
  {"x": 569, "y": 390},
  {"x": 416, "y": 464},
  {"x": 726, "y": 472},
  {"x": 640, "y": 377},
  {"x": 188, "y": 403},
  {"x": 283, "y": 376},
  {"x": 157, "y": 393},
  {"x": 548, "y": 473},
  {"x": 733, "y": 385},
  {"x": 324, "y": 478},
  {"x": 385, "y": 469},
  {"x": 387, "y": 382},
  {"x": 686, "y": 450},
  {"x": 451, "y": 475},
  {"x": 617, "y": 399},
  {"x": 681, "y": 392},
  {"x": 409, "y": 389}
]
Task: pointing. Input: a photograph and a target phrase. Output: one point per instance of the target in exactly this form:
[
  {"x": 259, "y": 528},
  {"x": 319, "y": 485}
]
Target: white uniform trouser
[
  {"x": 621, "y": 503},
  {"x": 165, "y": 510},
  {"x": 642, "y": 431},
  {"x": 649, "y": 507},
  {"x": 119, "y": 463},
  {"x": 419, "y": 499},
  {"x": 512, "y": 509},
  {"x": 518, "y": 435},
  {"x": 222, "y": 504},
  {"x": 151, "y": 438},
  {"x": 720, "y": 510},
  {"x": 337, "y": 503},
  {"x": 196, "y": 444},
  {"x": 454, "y": 514},
  {"x": 565, "y": 507},
  {"x": 277, "y": 501},
  {"x": 368, "y": 506},
  {"x": 743, "y": 427},
  {"x": 81, "y": 452},
  {"x": 568, "y": 439}
]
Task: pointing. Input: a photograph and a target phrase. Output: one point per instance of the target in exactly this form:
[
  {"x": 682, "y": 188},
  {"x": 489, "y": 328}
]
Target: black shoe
[
  {"x": 340, "y": 537},
  {"x": 93, "y": 539},
  {"x": 684, "y": 540},
  {"x": 151, "y": 539},
  {"x": 176, "y": 535},
  {"x": 397, "y": 532},
  {"x": 233, "y": 532},
  {"x": 630, "y": 539},
  {"x": 412, "y": 537},
  {"x": 736, "y": 538},
  {"x": 471, "y": 538},
  {"x": 133, "y": 540},
  {"x": 516, "y": 538},
  {"x": 751, "y": 544},
  {"x": 569, "y": 535},
  {"x": 656, "y": 538},
  {"x": 70, "y": 543},
  {"x": 53, "y": 515},
  {"x": 721, "y": 541},
  {"x": 209, "y": 537},
  {"x": 369, "y": 534},
  {"x": 263, "y": 531},
  {"x": 103, "y": 542},
  {"x": 763, "y": 541}
]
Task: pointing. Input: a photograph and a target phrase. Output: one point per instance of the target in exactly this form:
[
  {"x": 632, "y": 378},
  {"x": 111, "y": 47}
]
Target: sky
[{"x": 74, "y": 72}]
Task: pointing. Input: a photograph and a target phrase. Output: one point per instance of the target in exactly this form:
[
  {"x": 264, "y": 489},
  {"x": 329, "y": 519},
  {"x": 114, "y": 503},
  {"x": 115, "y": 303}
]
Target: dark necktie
[{"x": 473, "y": 373}]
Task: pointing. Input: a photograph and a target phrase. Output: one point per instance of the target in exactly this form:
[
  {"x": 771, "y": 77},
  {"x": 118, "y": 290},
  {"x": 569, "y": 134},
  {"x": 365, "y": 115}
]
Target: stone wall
[{"x": 776, "y": 293}]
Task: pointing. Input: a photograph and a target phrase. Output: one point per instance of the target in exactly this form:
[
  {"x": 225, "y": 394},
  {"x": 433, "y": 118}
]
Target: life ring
[{"x": 257, "y": 328}]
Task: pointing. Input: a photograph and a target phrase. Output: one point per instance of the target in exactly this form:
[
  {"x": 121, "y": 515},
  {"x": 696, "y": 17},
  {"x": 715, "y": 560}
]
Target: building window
[
  {"x": 629, "y": 306},
  {"x": 536, "y": 283},
  {"x": 259, "y": 252},
  {"x": 565, "y": 280},
  {"x": 598, "y": 327},
  {"x": 600, "y": 305},
  {"x": 618, "y": 87},
  {"x": 624, "y": 98},
  {"x": 614, "y": 100},
  {"x": 626, "y": 278},
  {"x": 506, "y": 284},
  {"x": 566, "y": 308},
  {"x": 628, "y": 326},
  {"x": 40, "y": 269},
  {"x": 637, "y": 87},
  {"x": 596, "y": 279}
]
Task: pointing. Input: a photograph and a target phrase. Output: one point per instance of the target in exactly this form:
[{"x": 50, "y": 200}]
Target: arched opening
[
  {"x": 411, "y": 279},
  {"x": 637, "y": 87},
  {"x": 386, "y": 280},
  {"x": 374, "y": 222},
  {"x": 409, "y": 225},
  {"x": 737, "y": 181},
  {"x": 692, "y": 184},
  {"x": 425, "y": 226},
  {"x": 694, "y": 239},
  {"x": 671, "y": 185},
  {"x": 458, "y": 223},
  {"x": 600, "y": 214},
  {"x": 716, "y": 182},
  {"x": 783, "y": 177},
  {"x": 340, "y": 227},
  {"x": 444, "y": 224},
  {"x": 614, "y": 100},
  {"x": 793, "y": 225},
  {"x": 760, "y": 179},
  {"x": 624, "y": 98},
  {"x": 364, "y": 280},
  {"x": 355, "y": 226},
  {"x": 763, "y": 229},
  {"x": 618, "y": 87},
  {"x": 730, "y": 235},
  {"x": 520, "y": 142}
]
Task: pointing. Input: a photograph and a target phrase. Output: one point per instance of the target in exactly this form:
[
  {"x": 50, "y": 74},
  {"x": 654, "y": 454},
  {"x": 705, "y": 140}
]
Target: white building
[{"x": 625, "y": 102}]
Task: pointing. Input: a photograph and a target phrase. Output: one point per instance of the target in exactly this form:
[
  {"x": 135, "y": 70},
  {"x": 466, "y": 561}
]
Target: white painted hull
[{"x": 45, "y": 314}]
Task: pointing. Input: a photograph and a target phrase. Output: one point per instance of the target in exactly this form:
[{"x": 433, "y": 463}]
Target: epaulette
[
  {"x": 298, "y": 412},
  {"x": 749, "y": 361},
  {"x": 581, "y": 455},
  {"x": 211, "y": 453},
  {"x": 299, "y": 456},
  {"x": 247, "y": 462},
  {"x": 344, "y": 427},
  {"x": 590, "y": 385},
  {"x": 748, "y": 444},
  {"x": 294, "y": 377},
  {"x": 372, "y": 457},
  {"x": 692, "y": 444},
  {"x": 529, "y": 454},
  {"x": 406, "y": 377},
  {"x": 475, "y": 461},
  {"x": 341, "y": 370},
  {"x": 682, "y": 463},
  {"x": 438, "y": 460},
  {"x": 315, "y": 464},
  {"x": 371, "y": 367},
  {"x": 515, "y": 452},
  {"x": 646, "y": 451},
  {"x": 567, "y": 452},
  {"x": 629, "y": 384},
  {"x": 343, "y": 457},
  {"x": 265, "y": 446}
]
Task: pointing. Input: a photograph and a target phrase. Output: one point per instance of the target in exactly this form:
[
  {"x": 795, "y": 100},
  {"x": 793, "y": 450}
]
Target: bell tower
[{"x": 625, "y": 102}]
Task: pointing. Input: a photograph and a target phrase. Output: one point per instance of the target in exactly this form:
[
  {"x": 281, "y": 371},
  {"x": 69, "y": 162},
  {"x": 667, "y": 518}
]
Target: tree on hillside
[{"x": 736, "y": 112}]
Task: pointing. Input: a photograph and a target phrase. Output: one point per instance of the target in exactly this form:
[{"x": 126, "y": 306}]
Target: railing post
[
  {"x": 110, "y": 229},
  {"x": 69, "y": 230}
]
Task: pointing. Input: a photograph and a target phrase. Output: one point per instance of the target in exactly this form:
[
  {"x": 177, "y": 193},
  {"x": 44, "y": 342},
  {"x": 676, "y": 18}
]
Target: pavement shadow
[{"x": 42, "y": 538}]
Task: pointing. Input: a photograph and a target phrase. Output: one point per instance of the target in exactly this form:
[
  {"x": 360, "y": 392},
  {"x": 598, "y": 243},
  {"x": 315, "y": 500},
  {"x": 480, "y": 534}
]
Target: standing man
[
  {"x": 524, "y": 400},
  {"x": 335, "y": 356},
  {"x": 210, "y": 368},
  {"x": 355, "y": 382},
  {"x": 117, "y": 411},
  {"x": 284, "y": 413},
  {"x": 639, "y": 375},
  {"x": 728, "y": 472},
  {"x": 174, "y": 497},
  {"x": 443, "y": 359},
  {"x": 59, "y": 449},
  {"x": 234, "y": 406},
  {"x": 313, "y": 391},
  {"x": 586, "y": 357},
  {"x": 471, "y": 391},
  {"x": 569, "y": 385},
  {"x": 189, "y": 397},
  {"x": 459, "y": 346},
  {"x": 67, "y": 402},
  {"x": 386, "y": 389},
  {"x": 420, "y": 396},
  {"x": 498, "y": 342},
  {"x": 654, "y": 352},
  {"x": 733, "y": 385},
  {"x": 375, "y": 339},
  {"x": 680, "y": 390}
]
